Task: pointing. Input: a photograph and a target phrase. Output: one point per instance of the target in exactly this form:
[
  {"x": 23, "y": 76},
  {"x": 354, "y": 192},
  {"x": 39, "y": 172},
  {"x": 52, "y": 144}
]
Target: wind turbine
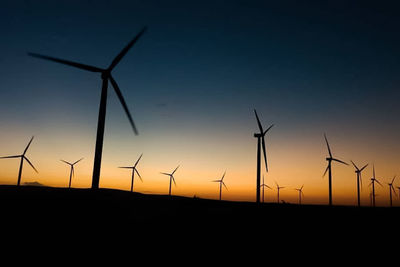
[
  {"x": 278, "y": 188},
  {"x": 23, "y": 157},
  {"x": 359, "y": 180},
  {"x": 133, "y": 168},
  {"x": 300, "y": 193},
  {"x": 263, "y": 186},
  {"x": 171, "y": 178},
  {"x": 373, "y": 180},
  {"x": 71, "y": 173},
  {"x": 329, "y": 168},
  {"x": 391, "y": 187},
  {"x": 221, "y": 183},
  {"x": 105, "y": 76},
  {"x": 260, "y": 140}
]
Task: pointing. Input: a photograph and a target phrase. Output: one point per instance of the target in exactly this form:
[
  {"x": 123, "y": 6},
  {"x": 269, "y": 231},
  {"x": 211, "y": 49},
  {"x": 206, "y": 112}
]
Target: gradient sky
[{"x": 192, "y": 82}]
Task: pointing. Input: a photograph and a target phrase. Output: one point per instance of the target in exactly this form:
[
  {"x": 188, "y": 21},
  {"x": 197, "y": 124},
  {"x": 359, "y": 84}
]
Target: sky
[{"x": 192, "y": 82}]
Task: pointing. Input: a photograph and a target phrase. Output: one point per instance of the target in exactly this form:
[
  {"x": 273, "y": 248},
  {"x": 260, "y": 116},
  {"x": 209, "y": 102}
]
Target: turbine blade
[
  {"x": 264, "y": 152},
  {"x": 355, "y": 166},
  {"x": 125, "y": 167},
  {"x": 216, "y": 181},
  {"x": 175, "y": 170},
  {"x": 258, "y": 122},
  {"x": 326, "y": 170},
  {"x": 11, "y": 157},
  {"x": 123, "y": 103},
  {"x": 394, "y": 190},
  {"x": 67, "y": 62},
  {"x": 376, "y": 180},
  {"x": 30, "y": 163},
  {"x": 393, "y": 179},
  {"x": 65, "y": 162},
  {"x": 327, "y": 144},
  {"x": 165, "y": 173},
  {"x": 338, "y": 160},
  {"x": 223, "y": 176},
  {"x": 373, "y": 170},
  {"x": 135, "y": 170},
  {"x": 26, "y": 149},
  {"x": 77, "y": 161},
  {"x": 268, "y": 129},
  {"x": 121, "y": 54},
  {"x": 138, "y": 160},
  {"x": 363, "y": 167},
  {"x": 224, "y": 185},
  {"x": 173, "y": 179}
]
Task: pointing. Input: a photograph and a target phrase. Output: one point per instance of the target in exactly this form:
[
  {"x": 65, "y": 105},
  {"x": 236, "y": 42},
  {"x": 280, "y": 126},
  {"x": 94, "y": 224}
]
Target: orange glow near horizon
[{"x": 292, "y": 164}]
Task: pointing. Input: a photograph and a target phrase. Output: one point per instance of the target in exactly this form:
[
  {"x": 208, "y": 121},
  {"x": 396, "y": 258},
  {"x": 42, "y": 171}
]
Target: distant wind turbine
[
  {"x": 260, "y": 140},
  {"x": 278, "y": 188},
  {"x": 171, "y": 178},
  {"x": 133, "y": 168},
  {"x": 391, "y": 188},
  {"x": 359, "y": 180},
  {"x": 329, "y": 168},
  {"x": 300, "y": 193},
  {"x": 71, "y": 173},
  {"x": 23, "y": 157},
  {"x": 263, "y": 187},
  {"x": 221, "y": 183},
  {"x": 373, "y": 180},
  {"x": 105, "y": 76}
]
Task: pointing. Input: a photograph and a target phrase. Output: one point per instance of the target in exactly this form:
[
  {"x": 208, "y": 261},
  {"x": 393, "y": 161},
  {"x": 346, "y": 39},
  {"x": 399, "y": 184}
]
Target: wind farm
[{"x": 307, "y": 99}]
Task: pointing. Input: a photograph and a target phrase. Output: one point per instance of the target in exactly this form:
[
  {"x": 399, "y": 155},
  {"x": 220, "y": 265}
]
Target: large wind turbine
[
  {"x": 171, "y": 178},
  {"x": 71, "y": 173},
  {"x": 23, "y": 157},
  {"x": 391, "y": 187},
  {"x": 329, "y": 168},
  {"x": 260, "y": 141},
  {"x": 221, "y": 183},
  {"x": 300, "y": 193},
  {"x": 359, "y": 180},
  {"x": 133, "y": 168},
  {"x": 373, "y": 180},
  {"x": 105, "y": 76},
  {"x": 263, "y": 185}
]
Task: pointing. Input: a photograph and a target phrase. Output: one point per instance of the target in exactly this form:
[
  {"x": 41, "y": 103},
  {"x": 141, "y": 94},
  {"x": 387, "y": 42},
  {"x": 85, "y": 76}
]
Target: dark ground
[{"x": 83, "y": 215}]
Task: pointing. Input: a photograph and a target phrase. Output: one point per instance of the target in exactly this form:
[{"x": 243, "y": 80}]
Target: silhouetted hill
[{"x": 47, "y": 209}]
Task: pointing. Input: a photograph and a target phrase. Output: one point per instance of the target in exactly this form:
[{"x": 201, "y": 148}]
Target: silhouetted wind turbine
[
  {"x": 391, "y": 187},
  {"x": 133, "y": 168},
  {"x": 373, "y": 180},
  {"x": 260, "y": 140},
  {"x": 263, "y": 186},
  {"x": 171, "y": 178},
  {"x": 23, "y": 157},
  {"x": 221, "y": 183},
  {"x": 105, "y": 76},
  {"x": 71, "y": 173},
  {"x": 359, "y": 180},
  {"x": 329, "y": 168},
  {"x": 278, "y": 188},
  {"x": 300, "y": 193}
]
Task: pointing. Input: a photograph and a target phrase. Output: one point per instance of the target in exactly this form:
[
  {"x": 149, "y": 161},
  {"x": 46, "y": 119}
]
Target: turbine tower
[
  {"x": 359, "y": 180},
  {"x": 106, "y": 77},
  {"x": 263, "y": 187},
  {"x": 134, "y": 169},
  {"x": 391, "y": 188},
  {"x": 373, "y": 180},
  {"x": 260, "y": 141},
  {"x": 278, "y": 188},
  {"x": 71, "y": 173},
  {"x": 22, "y": 157},
  {"x": 171, "y": 178},
  {"x": 221, "y": 183},
  {"x": 300, "y": 193},
  {"x": 329, "y": 168}
]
